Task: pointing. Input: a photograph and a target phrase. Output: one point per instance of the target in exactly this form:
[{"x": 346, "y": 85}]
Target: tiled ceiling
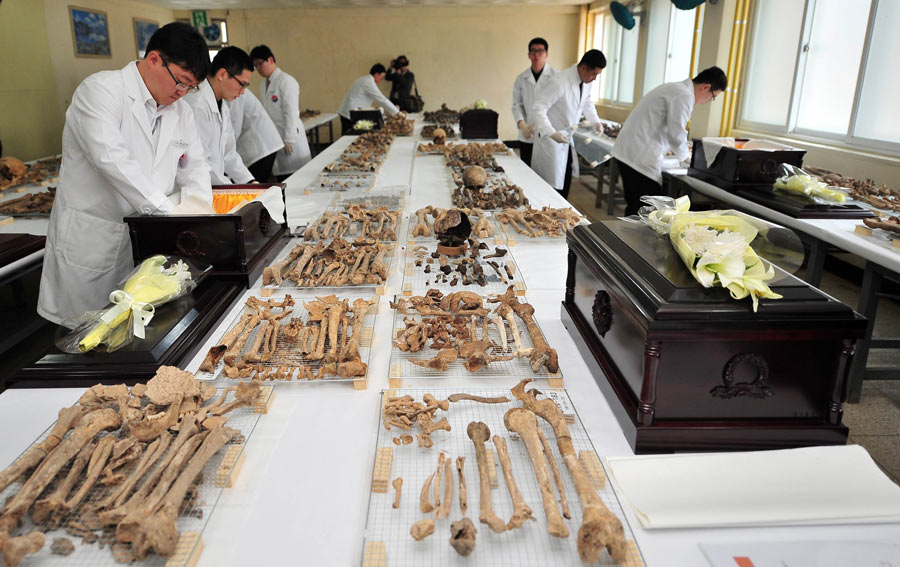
[{"x": 241, "y": 4}]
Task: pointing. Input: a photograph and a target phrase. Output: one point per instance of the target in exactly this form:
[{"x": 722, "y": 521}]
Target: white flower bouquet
[{"x": 714, "y": 245}]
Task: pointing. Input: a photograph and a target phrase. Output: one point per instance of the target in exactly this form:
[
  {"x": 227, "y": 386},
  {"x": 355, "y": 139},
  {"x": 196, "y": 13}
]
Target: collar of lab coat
[
  {"x": 689, "y": 85},
  {"x": 273, "y": 78},
  {"x": 140, "y": 95},
  {"x": 208, "y": 96},
  {"x": 529, "y": 76}
]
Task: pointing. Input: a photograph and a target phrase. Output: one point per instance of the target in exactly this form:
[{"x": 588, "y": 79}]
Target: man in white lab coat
[
  {"x": 127, "y": 145},
  {"x": 363, "y": 92},
  {"x": 229, "y": 75},
  {"x": 557, "y": 108},
  {"x": 527, "y": 83},
  {"x": 258, "y": 141},
  {"x": 658, "y": 125},
  {"x": 280, "y": 96}
]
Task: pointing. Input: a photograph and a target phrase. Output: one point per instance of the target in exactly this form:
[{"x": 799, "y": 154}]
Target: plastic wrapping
[
  {"x": 796, "y": 181},
  {"x": 156, "y": 281},
  {"x": 720, "y": 247}
]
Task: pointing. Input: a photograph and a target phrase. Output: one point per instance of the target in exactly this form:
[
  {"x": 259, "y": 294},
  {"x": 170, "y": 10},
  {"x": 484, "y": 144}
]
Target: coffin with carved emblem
[
  {"x": 686, "y": 368},
  {"x": 237, "y": 245}
]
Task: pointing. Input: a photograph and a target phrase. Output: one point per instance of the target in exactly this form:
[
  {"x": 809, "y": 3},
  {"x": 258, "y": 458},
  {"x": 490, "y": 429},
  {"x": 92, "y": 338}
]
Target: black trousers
[
  {"x": 346, "y": 124},
  {"x": 262, "y": 168},
  {"x": 635, "y": 186},
  {"x": 525, "y": 151},
  {"x": 567, "y": 178}
]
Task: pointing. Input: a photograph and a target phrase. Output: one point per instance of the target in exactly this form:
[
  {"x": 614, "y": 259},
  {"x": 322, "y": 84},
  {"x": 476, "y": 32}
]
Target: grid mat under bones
[
  {"x": 192, "y": 516},
  {"x": 387, "y": 538},
  {"x": 415, "y": 279},
  {"x": 342, "y": 181},
  {"x": 289, "y": 353},
  {"x": 402, "y": 368}
]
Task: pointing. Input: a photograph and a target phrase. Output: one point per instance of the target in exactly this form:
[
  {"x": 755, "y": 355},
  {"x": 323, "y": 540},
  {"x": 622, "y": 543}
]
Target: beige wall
[
  {"x": 71, "y": 70},
  {"x": 458, "y": 53},
  {"x": 28, "y": 129}
]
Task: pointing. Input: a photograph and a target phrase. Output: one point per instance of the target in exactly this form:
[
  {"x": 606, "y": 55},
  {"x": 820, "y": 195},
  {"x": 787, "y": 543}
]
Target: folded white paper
[
  {"x": 272, "y": 200},
  {"x": 813, "y": 485}
]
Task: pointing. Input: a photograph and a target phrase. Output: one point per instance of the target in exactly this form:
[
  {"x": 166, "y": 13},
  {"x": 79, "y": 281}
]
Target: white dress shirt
[
  {"x": 363, "y": 92},
  {"x": 656, "y": 126}
]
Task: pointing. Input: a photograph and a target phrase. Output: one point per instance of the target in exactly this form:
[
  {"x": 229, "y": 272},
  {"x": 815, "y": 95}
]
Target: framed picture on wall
[
  {"x": 90, "y": 32},
  {"x": 143, "y": 30}
]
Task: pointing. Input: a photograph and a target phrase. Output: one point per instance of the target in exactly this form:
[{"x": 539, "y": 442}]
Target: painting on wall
[
  {"x": 90, "y": 32},
  {"x": 143, "y": 31}
]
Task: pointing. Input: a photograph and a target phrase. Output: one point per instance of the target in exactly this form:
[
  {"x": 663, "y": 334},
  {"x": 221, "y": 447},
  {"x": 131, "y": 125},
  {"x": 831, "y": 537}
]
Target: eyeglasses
[
  {"x": 536, "y": 51},
  {"x": 179, "y": 86},
  {"x": 240, "y": 82},
  {"x": 713, "y": 95}
]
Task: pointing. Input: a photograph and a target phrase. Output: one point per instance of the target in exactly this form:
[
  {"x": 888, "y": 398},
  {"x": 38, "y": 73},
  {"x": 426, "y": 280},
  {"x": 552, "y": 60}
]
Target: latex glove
[
  {"x": 527, "y": 129},
  {"x": 288, "y": 148},
  {"x": 599, "y": 127},
  {"x": 560, "y": 137}
]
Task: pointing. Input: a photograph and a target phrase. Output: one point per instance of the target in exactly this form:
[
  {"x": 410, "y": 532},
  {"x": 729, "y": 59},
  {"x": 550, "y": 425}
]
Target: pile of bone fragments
[
  {"x": 600, "y": 531},
  {"x": 119, "y": 467},
  {"x": 377, "y": 224},
  {"x": 477, "y": 264},
  {"x": 868, "y": 192},
  {"x": 366, "y": 153},
  {"x": 457, "y": 327},
  {"x": 326, "y": 342},
  {"x": 336, "y": 264}
]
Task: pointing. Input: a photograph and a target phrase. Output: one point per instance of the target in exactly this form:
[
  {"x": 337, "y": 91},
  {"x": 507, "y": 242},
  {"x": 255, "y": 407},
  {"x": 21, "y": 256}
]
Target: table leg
[
  {"x": 602, "y": 169},
  {"x": 330, "y": 131},
  {"x": 815, "y": 264},
  {"x": 868, "y": 305},
  {"x": 613, "y": 180}
]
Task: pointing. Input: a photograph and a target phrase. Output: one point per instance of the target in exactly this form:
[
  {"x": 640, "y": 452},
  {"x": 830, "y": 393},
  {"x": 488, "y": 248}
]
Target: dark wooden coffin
[
  {"x": 478, "y": 124},
  {"x": 14, "y": 247},
  {"x": 687, "y": 368},
  {"x": 238, "y": 246},
  {"x": 372, "y": 115},
  {"x": 802, "y": 207},
  {"x": 176, "y": 332},
  {"x": 734, "y": 168}
]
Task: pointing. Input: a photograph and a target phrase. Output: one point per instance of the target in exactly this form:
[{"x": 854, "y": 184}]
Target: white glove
[
  {"x": 560, "y": 137},
  {"x": 288, "y": 148},
  {"x": 527, "y": 129},
  {"x": 599, "y": 127}
]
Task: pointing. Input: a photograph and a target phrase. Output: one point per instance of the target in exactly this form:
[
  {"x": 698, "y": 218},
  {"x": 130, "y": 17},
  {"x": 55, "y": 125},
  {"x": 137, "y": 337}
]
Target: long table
[
  {"x": 302, "y": 494},
  {"x": 881, "y": 259}
]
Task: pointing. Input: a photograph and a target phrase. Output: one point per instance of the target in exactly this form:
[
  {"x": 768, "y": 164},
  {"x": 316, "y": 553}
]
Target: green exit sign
[{"x": 199, "y": 18}]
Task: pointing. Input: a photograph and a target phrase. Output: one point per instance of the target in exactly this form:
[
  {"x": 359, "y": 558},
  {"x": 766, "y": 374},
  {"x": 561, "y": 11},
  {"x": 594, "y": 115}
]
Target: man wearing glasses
[
  {"x": 524, "y": 88},
  {"x": 657, "y": 125},
  {"x": 129, "y": 146},
  {"x": 229, "y": 75},
  {"x": 279, "y": 94}
]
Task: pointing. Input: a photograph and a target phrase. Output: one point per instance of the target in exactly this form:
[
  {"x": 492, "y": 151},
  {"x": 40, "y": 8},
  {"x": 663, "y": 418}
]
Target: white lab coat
[
  {"x": 111, "y": 168},
  {"x": 282, "y": 103},
  {"x": 256, "y": 134},
  {"x": 363, "y": 92},
  {"x": 524, "y": 90},
  {"x": 558, "y": 107},
  {"x": 217, "y": 135},
  {"x": 656, "y": 126}
]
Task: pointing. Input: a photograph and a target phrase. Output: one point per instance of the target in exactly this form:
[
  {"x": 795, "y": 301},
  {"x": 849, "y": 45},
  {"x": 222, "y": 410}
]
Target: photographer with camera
[{"x": 402, "y": 83}]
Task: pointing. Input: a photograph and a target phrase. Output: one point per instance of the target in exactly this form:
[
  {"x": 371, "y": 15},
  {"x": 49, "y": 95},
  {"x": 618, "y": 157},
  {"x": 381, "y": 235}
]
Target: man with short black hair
[
  {"x": 558, "y": 107},
  {"x": 280, "y": 96},
  {"x": 363, "y": 92},
  {"x": 229, "y": 75},
  {"x": 658, "y": 125},
  {"x": 402, "y": 81},
  {"x": 128, "y": 144},
  {"x": 527, "y": 83}
]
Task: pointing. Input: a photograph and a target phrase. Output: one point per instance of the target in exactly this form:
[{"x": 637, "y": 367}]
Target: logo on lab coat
[{"x": 274, "y": 98}]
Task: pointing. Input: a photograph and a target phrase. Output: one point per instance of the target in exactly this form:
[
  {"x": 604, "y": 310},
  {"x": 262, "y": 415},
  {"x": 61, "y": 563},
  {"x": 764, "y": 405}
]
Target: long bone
[
  {"x": 600, "y": 529},
  {"x": 479, "y": 433},
  {"x": 521, "y": 510},
  {"x": 523, "y": 422}
]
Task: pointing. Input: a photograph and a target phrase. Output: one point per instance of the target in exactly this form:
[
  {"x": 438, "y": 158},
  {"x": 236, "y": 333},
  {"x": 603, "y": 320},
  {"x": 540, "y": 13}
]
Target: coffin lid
[{"x": 649, "y": 270}]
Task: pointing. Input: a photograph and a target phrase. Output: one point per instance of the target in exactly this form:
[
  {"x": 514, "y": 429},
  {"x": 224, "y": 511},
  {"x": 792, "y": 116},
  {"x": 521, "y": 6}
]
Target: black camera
[{"x": 400, "y": 62}]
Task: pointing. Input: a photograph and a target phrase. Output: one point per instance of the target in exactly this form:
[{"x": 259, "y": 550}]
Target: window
[
  {"x": 620, "y": 46},
  {"x": 825, "y": 69},
  {"x": 670, "y": 43}
]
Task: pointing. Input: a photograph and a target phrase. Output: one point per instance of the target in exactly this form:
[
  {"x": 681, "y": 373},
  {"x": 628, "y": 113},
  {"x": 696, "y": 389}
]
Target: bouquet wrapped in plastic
[
  {"x": 798, "y": 182},
  {"x": 157, "y": 280},
  {"x": 714, "y": 245}
]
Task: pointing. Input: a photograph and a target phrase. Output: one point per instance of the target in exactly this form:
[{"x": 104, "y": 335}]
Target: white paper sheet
[
  {"x": 813, "y": 485},
  {"x": 802, "y": 554},
  {"x": 271, "y": 200}
]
